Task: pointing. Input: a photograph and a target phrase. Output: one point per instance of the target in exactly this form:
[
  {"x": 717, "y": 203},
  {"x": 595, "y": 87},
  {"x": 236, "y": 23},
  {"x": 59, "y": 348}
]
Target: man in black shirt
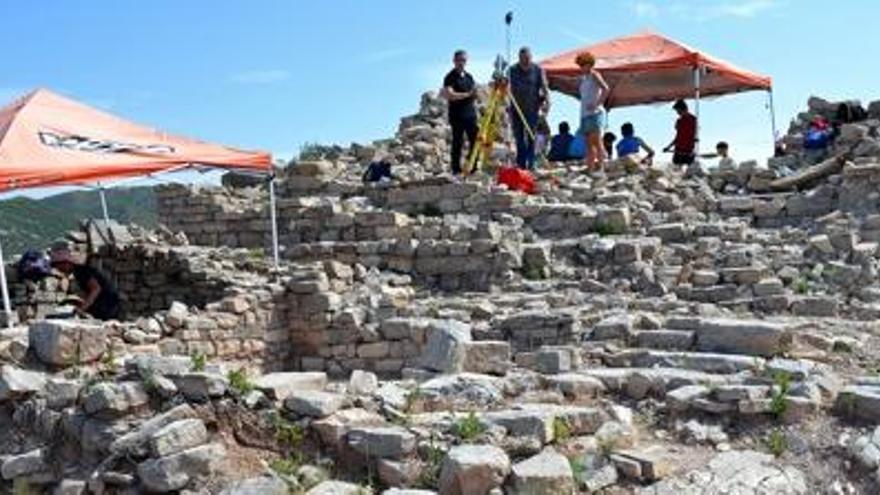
[
  {"x": 460, "y": 91},
  {"x": 100, "y": 298}
]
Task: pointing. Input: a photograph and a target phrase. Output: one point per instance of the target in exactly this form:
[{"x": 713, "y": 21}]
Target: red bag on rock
[{"x": 517, "y": 179}]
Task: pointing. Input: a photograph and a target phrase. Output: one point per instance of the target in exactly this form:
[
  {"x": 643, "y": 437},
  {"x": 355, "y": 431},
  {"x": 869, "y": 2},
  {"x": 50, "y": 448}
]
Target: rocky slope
[{"x": 643, "y": 332}]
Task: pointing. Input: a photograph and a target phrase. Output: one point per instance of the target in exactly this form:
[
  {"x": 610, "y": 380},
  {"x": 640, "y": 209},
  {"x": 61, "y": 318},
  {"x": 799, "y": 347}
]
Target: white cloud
[
  {"x": 380, "y": 56},
  {"x": 646, "y": 9},
  {"x": 269, "y": 76},
  {"x": 700, "y": 11},
  {"x": 749, "y": 8},
  {"x": 575, "y": 35}
]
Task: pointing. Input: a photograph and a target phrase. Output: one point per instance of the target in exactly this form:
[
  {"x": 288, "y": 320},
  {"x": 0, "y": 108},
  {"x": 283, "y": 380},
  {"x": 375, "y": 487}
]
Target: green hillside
[{"x": 26, "y": 222}]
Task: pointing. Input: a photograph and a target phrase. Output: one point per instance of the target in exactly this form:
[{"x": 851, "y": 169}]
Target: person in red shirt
[{"x": 684, "y": 144}]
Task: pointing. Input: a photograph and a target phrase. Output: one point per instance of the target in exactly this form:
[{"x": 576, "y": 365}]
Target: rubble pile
[{"x": 644, "y": 332}]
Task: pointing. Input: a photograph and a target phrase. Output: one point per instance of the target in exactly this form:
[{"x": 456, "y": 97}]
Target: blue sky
[{"x": 276, "y": 74}]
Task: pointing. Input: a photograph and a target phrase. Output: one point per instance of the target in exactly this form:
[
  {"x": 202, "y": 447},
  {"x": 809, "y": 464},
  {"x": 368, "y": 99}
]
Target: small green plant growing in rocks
[
  {"x": 148, "y": 377},
  {"x": 20, "y": 486},
  {"x": 107, "y": 363},
  {"x": 413, "y": 397},
  {"x": 469, "y": 427},
  {"x": 239, "y": 381},
  {"x": 430, "y": 475},
  {"x": 561, "y": 430},
  {"x": 198, "y": 361},
  {"x": 431, "y": 210},
  {"x": 578, "y": 469},
  {"x": 533, "y": 273},
  {"x": 777, "y": 443},
  {"x": 290, "y": 435},
  {"x": 782, "y": 384},
  {"x": 606, "y": 229},
  {"x": 801, "y": 286},
  {"x": 285, "y": 466},
  {"x": 841, "y": 346},
  {"x": 606, "y": 445}
]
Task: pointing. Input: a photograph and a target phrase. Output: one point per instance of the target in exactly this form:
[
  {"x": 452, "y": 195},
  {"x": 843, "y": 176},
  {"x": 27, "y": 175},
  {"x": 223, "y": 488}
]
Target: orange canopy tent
[
  {"x": 49, "y": 140},
  {"x": 650, "y": 68}
]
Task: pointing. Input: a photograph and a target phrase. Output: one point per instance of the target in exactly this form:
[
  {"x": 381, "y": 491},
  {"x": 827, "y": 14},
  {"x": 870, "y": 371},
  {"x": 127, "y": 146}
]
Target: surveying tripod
[{"x": 492, "y": 120}]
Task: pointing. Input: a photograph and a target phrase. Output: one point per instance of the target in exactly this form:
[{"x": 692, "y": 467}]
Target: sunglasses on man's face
[{"x": 461, "y": 60}]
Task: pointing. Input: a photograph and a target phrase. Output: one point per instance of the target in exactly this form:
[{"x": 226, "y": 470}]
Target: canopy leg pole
[
  {"x": 274, "y": 220},
  {"x": 697, "y": 108},
  {"x": 7, "y": 306},
  {"x": 104, "y": 205},
  {"x": 772, "y": 117}
]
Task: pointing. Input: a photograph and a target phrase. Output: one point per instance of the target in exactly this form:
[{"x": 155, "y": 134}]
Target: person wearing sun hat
[
  {"x": 593, "y": 90},
  {"x": 100, "y": 298}
]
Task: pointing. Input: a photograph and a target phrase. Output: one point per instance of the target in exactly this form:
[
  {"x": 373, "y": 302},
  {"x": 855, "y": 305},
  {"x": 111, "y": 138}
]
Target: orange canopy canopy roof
[
  {"x": 650, "y": 68},
  {"x": 47, "y": 139}
]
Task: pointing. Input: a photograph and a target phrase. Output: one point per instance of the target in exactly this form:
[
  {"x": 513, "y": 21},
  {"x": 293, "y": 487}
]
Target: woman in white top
[{"x": 593, "y": 91}]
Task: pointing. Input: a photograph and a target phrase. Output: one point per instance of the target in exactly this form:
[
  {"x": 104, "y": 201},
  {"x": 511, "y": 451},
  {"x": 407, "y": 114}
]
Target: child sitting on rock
[{"x": 630, "y": 145}]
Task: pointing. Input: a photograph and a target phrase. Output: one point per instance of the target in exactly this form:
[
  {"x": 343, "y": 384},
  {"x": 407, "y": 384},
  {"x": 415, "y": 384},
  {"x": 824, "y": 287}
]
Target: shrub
[
  {"x": 782, "y": 384},
  {"x": 430, "y": 475},
  {"x": 777, "y": 443},
  {"x": 469, "y": 427},
  {"x": 285, "y": 466},
  {"x": 533, "y": 273},
  {"x": 561, "y": 430},
  {"x": 606, "y": 229},
  {"x": 311, "y": 151},
  {"x": 290, "y": 435},
  {"x": 239, "y": 382},
  {"x": 198, "y": 361},
  {"x": 431, "y": 210}
]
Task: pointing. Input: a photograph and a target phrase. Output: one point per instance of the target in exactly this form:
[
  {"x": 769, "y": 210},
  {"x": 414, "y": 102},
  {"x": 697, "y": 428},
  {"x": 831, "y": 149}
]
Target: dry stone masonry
[{"x": 652, "y": 331}]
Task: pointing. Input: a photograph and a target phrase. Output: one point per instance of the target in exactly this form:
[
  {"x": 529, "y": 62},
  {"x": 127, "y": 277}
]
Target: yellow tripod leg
[{"x": 485, "y": 134}]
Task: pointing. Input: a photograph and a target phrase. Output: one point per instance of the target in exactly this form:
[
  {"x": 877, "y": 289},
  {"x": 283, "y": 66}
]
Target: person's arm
[
  {"x": 603, "y": 88},
  {"x": 93, "y": 290},
  {"x": 545, "y": 91},
  {"x": 648, "y": 149},
  {"x": 453, "y": 95}
]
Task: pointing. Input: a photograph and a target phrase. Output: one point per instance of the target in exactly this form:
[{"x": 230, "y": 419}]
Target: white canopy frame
[
  {"x": 101, "y": 188},
  {"x": 698, "y": 74}
]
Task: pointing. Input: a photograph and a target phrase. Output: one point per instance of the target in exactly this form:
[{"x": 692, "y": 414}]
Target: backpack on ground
[
  {"x": 377, "y": 171},
  {"x": 848, "y": 112},
  {"x": 33, "y": 265}
]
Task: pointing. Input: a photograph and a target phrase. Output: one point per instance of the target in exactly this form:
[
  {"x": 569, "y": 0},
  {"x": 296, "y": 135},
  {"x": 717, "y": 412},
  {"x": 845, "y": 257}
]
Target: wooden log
[{"x": 809, "y": 175}]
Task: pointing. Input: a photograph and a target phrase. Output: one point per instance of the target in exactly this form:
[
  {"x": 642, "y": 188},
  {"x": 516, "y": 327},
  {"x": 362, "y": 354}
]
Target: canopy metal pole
[
  {"x": 772, "y": 117},
  {"x": 104, "y": 204},
  {"x": 697, "y": 108},
  {"x": 7, "y": 306},
  {"x": 274, "y": 219}
]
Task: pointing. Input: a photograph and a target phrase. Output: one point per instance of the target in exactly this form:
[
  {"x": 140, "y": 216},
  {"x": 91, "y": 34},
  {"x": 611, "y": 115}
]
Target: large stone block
[
  {"x": 381, "y": 442},
  {"x": 67, "y": 343},
  {"x": 177, "y": 437},
  {"x": 487, "y": 356},
  {"x": 547, "y": 472},
  {"x": 281, "y": 385},
  {"x": 176, "y": 471},
  {"x": 473, "y": 469},
  {"x": 445, "y": 350},
  {"x": 16, "y": 382},
  {"x": 753, "y": 337}
]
